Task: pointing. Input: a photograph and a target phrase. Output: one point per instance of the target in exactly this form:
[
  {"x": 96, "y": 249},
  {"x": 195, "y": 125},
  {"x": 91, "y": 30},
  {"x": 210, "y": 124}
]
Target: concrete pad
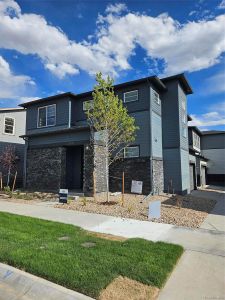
[
  {"x": 18, "y": 285},
  {"x": 197, "y": 276}
]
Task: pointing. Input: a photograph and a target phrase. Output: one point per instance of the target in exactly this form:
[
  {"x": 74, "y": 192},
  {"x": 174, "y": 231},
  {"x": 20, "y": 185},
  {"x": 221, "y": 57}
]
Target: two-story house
[
  {"x": 58, "y": 139},
  {"x": 12, "y": 126}
]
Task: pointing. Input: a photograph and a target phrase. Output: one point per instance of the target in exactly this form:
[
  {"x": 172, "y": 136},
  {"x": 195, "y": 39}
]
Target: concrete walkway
[
  {"x": 199, "y": 275},
  {"x": 19, "y": 285},
  {"x": 201, "y": 271}
]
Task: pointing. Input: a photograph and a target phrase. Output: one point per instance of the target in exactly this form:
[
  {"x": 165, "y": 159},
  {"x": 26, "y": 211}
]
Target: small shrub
[
  {"x": 8, "y": 191},
  {"x": 84, "y": 201}
]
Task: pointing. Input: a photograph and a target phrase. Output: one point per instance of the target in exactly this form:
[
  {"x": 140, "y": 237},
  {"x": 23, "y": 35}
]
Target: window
[
  {"x": 87, "y": 105},
  {"x": 9, "y": 127},
  {"x": 184, "y": 131},
  {"x": 130, "y": 96},
  {"x": 196, "y": 141},
  {"x": 156, "y": 97},
  {"x": 47, "y": 116},
  {"x": 132, "y": 151}
]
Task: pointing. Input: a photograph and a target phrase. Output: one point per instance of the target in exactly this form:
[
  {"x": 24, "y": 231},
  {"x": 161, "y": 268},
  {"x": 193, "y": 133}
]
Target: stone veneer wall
[
  {"x": 134, "y": 169},
  {"x": 46, "y": 168},
  {"x": 94, "y": 160},
  {"x": 157, "y": 176}
]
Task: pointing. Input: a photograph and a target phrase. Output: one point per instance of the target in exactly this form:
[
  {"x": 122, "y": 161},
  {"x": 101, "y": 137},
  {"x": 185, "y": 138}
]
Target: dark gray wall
[
  {"x": 215, "y": 141},
  {"x": 62, "y": 116}
]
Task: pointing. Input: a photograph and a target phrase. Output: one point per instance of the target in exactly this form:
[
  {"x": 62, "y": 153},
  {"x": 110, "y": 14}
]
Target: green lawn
[{"x": 34, "y": 245}]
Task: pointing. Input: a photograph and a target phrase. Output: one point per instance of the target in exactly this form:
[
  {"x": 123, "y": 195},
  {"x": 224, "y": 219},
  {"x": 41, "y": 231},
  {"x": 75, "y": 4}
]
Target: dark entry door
[
  {"x": 74, "y": 167},
  {"x": 192, "y": 177}
]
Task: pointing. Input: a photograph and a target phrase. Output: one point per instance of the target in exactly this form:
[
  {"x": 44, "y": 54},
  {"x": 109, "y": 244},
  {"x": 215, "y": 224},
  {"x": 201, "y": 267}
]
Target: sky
[{"x": 54, "y": 46}]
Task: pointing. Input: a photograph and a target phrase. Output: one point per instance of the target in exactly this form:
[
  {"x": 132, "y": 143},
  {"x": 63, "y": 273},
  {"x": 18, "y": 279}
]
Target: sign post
[{"x": 63, "y": 195}]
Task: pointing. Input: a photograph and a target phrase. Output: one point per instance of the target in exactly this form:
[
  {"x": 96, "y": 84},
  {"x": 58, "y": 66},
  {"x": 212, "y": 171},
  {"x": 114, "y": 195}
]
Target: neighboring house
[
  {"x": 198, "y": 163},
  {"x": 58, "y": 136},
  {"x": 12, "y": 126},
  {"x": 213, "y": 148}
]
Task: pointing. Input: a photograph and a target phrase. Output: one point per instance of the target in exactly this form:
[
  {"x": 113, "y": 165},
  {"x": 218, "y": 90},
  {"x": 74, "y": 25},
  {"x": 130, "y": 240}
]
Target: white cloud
[
  {"x": 116, "y": 8},
  {"x": 215, "y": 117},
  {"x": 221, "y": 5},
  {"x": 181, "y": 47},
  {"x": 12, "y": 86}
]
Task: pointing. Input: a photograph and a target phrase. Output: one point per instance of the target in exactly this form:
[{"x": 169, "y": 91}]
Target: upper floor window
[
  {"x": 196, "y": 140},
  {"x": 87, "y": 105},
  {"x": 130, "y": 96},
  {"x": 131, "y": 151},
  {"x": 156, "y": 97},
  {"x": 9, "y": 126},
  {"x": 47, "y": 116}
]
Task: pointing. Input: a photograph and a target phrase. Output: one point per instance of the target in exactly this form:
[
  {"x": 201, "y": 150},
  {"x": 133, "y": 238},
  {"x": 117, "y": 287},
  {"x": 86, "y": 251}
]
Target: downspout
[
  {"x": 25, "y": 162},
  {"x": 150, "y": 116},
  {"x": 69, "y": 117}
]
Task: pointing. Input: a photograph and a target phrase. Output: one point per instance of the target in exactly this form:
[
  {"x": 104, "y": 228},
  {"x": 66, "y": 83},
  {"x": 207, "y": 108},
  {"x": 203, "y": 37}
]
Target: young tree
[
  {"x": 8, "y": 160},
  {"x": 108, "y": 117}
]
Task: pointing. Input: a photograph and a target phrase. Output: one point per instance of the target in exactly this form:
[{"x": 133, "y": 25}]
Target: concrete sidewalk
[
  {"x": 19, "y": 285},
  {"x": 200, "y": 272},
  {"x": 208, "y": 241},
  {"x": 199, "y": 275}
]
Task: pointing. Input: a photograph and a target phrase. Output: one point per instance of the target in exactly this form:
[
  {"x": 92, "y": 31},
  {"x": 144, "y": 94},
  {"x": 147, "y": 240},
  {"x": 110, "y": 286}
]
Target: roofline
[
  {"x": 196, "y": 129},
  {"x": 211, "y": 132},
  {"x": 183, "y": 81},
  {"x": 25, "y": 104},
  {"x": 154, "y": 79},
  {"x": 189, "y": 118},
  {"x": 11, "y": 109}
]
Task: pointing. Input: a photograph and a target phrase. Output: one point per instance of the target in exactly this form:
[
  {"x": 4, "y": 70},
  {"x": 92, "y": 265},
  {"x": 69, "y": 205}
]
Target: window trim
[
  {"x": 46, "y": 116},
  {"x": 84, "y": 102},
  {"x": 129, "y": 92},
  {"x": 133, "y": 146},
  {"x": 14, "y": 125}
]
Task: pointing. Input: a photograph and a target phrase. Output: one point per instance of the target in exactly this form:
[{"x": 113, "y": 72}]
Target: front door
[
  {"x": 192, "y": 177},
  {"x": 74, "y": 167}
]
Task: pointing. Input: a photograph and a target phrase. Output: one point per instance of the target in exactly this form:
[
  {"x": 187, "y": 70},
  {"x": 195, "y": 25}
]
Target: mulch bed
[{"x": 192, "y": 212}]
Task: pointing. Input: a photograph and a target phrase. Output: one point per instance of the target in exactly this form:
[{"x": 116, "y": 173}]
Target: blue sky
[{"x": 49, "y": 47}]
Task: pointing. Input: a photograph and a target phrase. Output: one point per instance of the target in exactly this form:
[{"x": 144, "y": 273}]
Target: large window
[
  {"x": 130, "y": 96},
  {"x": 87, "y": 105},
  {"x": 132, "y": 151},
  {"x": 9, "y": 126},
  {"x": 47, "y": 116}
]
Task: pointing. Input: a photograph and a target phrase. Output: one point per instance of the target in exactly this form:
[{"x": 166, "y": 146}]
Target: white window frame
[
  {"x": 14, "y": 125},
  {"x": 90, "y": 101},
  {"x": 124, "y": 96},
  {"x": 156, "y": 97},
  {"x": 196, "y": 138},
  {"x": 124, "y": 152},
  {"x": 46, "y": 106}
]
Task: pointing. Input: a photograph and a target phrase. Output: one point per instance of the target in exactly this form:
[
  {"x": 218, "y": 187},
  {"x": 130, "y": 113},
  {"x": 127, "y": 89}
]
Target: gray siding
[
  {"x": 182, "y": 97},
  {"x": 20, "y": 121},
  {"x": 156, "y": 135},
  {"x": 215, "y": 141},
  {"x": 185, "y": 175},
  {"x": 62, "y": 116},
  {"x": 172, "y": 169},
  {"x": 76, "y": 138},
  {"x": 155, "y": 106},
  {"x": 143, "y": 134},
  {"x": 216, "y": 163}
]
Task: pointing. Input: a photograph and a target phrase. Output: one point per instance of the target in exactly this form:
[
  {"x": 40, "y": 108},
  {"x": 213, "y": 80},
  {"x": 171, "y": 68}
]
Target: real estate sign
[{"x": 136, "y": 187}]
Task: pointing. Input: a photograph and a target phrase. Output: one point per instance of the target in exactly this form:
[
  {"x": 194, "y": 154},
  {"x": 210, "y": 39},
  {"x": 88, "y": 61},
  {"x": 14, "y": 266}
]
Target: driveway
[{"x": 200, "y": 272}]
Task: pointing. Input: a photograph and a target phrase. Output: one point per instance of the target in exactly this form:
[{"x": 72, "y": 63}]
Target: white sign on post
[
  {"x": 154, "y": 210},
  {"x": 63, "y": 194},
  {"x": 136, "y": 187}
]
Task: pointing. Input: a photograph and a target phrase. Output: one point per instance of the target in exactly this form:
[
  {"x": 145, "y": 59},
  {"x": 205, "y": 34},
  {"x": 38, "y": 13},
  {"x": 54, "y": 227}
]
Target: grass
[{"x": 34, "y": 246}]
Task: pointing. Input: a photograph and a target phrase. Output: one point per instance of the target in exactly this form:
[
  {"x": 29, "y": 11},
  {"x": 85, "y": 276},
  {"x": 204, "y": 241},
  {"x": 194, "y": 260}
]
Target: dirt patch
[
  {"x": 107, "y": 236},
  {"x": 192, "y": 212},
  {"x": 124, "y": 288}
]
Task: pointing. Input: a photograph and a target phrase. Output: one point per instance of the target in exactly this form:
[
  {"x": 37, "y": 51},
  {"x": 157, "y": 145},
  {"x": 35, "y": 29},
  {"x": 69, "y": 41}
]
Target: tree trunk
[
  {"x": 8, "y": 177},
  {"x": 107, "y": 176}
]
